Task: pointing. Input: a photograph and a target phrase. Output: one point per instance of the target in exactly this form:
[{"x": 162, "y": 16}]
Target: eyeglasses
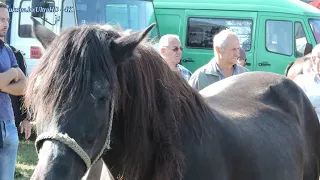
[{"x": 176, "y": 49}]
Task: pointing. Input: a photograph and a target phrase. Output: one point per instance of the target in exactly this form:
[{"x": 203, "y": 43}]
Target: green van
[{"x": 273, "y": 33}]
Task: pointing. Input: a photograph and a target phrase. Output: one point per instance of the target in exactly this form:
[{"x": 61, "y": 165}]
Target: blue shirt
[
  {"x": 221, "y": 74},
  {"x": 7, "y": 61},
  {"x": 184, "y": 72}
]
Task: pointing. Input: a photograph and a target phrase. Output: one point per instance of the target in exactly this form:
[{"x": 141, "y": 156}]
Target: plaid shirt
[{"x": 184, "y": 72}]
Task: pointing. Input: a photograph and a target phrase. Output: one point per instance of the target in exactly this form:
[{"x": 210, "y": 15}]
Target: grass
[{"x": 26, "y": 160}]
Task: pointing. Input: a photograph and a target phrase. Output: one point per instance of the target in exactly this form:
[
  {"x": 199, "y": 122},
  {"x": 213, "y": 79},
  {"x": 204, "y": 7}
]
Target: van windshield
[
  {"x": 132, "y": 15},
  {"x": 315, "y": 26},
  {"x": 129, "y": 14}
]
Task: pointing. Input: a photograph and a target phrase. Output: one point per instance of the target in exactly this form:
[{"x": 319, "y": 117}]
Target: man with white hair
[
  {"x": 171, "y": 51},
  {"x": 310, "y": 82},
  {"x": 226, "y": 47}
]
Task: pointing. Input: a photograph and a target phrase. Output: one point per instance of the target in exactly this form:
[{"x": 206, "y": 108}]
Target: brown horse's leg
[{"x": 98, "y": 171}]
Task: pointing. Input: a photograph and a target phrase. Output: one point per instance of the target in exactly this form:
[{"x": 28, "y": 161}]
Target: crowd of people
[{"x": 230, "y": 59}]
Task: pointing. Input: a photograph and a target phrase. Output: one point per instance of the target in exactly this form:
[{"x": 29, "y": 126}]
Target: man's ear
[{"x": 218, "y": 49}]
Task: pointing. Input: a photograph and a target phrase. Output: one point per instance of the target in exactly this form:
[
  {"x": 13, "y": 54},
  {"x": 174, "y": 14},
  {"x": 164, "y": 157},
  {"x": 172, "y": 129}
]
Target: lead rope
[{"x": 70, "y": 142}]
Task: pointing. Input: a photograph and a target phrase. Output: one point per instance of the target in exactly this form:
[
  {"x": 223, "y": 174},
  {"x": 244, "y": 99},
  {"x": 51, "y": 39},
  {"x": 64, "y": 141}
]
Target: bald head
[
  {"x": 165, "y": 40},
  {"x": 226, "y": 46},
  {"x": 170, "y": 49},
  {"x": 222, "y": 38}
]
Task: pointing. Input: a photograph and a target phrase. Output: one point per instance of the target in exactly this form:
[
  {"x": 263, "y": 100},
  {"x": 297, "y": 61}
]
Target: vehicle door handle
[
  {"x": 264, "y": 64},
  {"x": 188, "y": 60},
  {"x": 248, "y": 64}
]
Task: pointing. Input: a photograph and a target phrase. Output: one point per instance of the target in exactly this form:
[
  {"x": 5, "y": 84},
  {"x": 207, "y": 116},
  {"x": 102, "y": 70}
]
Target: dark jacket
[{"x": 17, "y": 101}]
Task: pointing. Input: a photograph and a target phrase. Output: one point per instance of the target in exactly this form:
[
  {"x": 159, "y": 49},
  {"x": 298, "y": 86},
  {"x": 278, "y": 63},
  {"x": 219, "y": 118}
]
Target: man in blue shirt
[{"x": 12, "y": 81}]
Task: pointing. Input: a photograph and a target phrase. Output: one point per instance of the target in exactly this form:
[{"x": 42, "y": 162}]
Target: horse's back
[{"x": 269, "y": 127}]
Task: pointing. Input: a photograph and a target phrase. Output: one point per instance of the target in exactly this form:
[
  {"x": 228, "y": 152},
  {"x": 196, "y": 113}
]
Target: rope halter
[{"x": 71, "y": 143}]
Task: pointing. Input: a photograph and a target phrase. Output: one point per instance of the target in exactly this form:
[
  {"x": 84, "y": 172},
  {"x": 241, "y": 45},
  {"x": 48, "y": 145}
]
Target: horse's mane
[
  {"x": 64, "y": 74},
  {"x": 157, "y": 107}
]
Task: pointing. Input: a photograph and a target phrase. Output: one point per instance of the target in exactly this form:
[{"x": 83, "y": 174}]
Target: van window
[
  {"x": 201, "y": 31},
  {"x": 24, "y": 29},
  {"x": 68, "y": 18},
  {"x": 279, "y": 37},
  {"x": 125, "y": 14},
  {"x": 315, "y": 26},
  {"x": 300, "y": 39}
]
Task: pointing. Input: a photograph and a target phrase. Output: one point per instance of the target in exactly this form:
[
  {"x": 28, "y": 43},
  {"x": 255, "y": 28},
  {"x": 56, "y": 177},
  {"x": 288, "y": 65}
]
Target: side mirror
[
  {"x": 308, "y": 49},
  {"x": 35, "y": 4},
  {"x": 49, "y": 4}
]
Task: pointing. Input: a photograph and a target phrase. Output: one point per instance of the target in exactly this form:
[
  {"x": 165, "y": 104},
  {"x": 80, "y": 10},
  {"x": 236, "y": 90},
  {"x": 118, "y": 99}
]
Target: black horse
[{"x": 253, "y": 126}]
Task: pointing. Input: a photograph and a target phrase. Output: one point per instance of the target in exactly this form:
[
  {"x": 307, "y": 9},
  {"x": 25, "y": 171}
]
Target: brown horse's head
[{"x": 73, "y": 92}]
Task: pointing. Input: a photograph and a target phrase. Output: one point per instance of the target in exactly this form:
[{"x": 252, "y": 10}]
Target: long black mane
[{"x": 157, "y": 106}]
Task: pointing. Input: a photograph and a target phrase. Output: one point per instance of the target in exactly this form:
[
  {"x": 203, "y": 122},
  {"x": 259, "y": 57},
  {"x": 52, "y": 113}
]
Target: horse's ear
[
  {"x": 43, "y": 34},
  {"x": 123, "y": 47}
]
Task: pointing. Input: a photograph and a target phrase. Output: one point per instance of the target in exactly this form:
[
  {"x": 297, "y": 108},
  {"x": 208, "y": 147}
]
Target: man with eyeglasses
[
  {"x": 226, "y": 47},
  {"x": 310, "y": 81},
  {"x": 171, "y": 51}
]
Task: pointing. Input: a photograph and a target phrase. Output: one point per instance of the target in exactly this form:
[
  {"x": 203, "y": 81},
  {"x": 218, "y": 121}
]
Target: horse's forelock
[{"x": 67, "y": 68}]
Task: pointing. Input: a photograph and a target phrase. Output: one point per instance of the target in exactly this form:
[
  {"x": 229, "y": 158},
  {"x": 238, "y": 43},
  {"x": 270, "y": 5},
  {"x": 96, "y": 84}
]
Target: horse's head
[{"x": 72, "y": 93}]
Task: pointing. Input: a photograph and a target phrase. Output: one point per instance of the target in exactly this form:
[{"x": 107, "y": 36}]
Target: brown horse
[{"x": 100, "y": 90}]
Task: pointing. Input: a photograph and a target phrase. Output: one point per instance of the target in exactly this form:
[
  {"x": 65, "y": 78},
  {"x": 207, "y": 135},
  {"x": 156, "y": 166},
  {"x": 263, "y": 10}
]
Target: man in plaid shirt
[{"x": 171, "y": 51}]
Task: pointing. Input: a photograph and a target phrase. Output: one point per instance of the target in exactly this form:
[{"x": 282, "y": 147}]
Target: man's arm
[
  {"x": 16, "y": 88},
  {"x": 7, "y": 76}
]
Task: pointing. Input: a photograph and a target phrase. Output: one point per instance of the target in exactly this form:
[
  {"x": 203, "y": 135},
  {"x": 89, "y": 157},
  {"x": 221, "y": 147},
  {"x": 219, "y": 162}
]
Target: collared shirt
[
  {"x": 211, "y": 73},
  {"x": 7, "y": 61},
  {"x": 184, "y": 72},
  {"x": 221, "y": 74},
  {"x": 310, "y": 84}
]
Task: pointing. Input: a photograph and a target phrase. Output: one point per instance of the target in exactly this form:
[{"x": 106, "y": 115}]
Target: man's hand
[{"x": 25, "y": 127}]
